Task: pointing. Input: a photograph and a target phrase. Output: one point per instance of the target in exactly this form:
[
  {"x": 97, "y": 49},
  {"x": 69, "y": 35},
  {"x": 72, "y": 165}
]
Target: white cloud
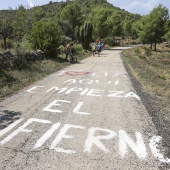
[
  {"x": 31, "y": 4},
  {"x": 138, "y": 6}
]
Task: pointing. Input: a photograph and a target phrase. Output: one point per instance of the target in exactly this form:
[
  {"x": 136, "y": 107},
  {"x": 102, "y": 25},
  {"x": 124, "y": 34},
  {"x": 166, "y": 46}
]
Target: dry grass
[
  {"x": 152, "y": 69},
  {"x": 12, "y": 80}
]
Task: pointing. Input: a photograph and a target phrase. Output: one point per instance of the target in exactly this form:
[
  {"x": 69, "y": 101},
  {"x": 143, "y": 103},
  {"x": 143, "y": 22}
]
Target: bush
[
  {"x": 137, "y": 51},
  {"x": 78, "y": 47},
  {"x": 109, "y": 41},
  {"x": 24, "y": 45},
  {"x": 148, "y": 52},
  {"x": 9, "y": 44},
  {"x": 142, "y": 57},
  {"x": 46, "y": 36}
]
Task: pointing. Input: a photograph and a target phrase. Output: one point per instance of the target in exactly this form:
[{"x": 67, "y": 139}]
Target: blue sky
[{"x": 142, "y": 7}]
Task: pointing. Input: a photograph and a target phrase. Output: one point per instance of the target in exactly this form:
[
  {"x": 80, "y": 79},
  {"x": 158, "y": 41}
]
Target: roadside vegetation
[
  {"x": 152, "y": 69},
  {"x": 19, "y": 72},
  {"x": 150, "y": 74}
]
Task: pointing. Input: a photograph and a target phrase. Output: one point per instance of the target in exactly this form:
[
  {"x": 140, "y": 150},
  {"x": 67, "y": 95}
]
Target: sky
[{"x": 142, "y": 7}]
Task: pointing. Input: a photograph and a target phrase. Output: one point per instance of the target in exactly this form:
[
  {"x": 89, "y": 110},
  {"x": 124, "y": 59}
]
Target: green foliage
[
  {"x": 6, "y": 26},
  {"x": 72, "y": 14},
  {"x": 151, "y": 28},
  {"x": 9, "y": 44},
  {"x": 167, "y": 37},
  {"x": 141, "y": 56},
  {"x": 148, "y": 52},
  {"x": 137, "y": 51},
  {"x": 163, "y": 77},
  {"x": 115, "y": 23},
  {"x": 100, "y": 21},
  {"x": 66, "y": 28},
  {"x": 47, "y": 39},
  {"x": 24, "y": 45},
  {"x": 86, "y": 34},
  {"x": 78, "y": 47},
  {"x": 109, "y": 41},
  {"x": 19, "y": 22}
]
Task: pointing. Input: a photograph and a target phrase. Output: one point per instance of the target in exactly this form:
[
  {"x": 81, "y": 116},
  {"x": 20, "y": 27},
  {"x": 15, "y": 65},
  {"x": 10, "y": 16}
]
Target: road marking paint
[
  {"x": 138, "y": 147},
  {"x": 74, "y": 89},
  {"x": 22, "y": 129},
  {"x": 155, "y": 149},
  {"x": 61, "y": 135},
  {"x": 77, "y": 108},
  {"x": 118, "y": 75},
  {"x": 55, "y": 103},
  {"x": 88, "y": 81},
  {"x": 109, "y": 82},
  {"x": 116, "y": 83},
  {"x": 94, "y": 92},
  {"x": 33, "y": 88},
  {"x": 11, "y": 126},
  {"x": 96, "y": 140},
  {"x": 131, "y": 94},
  {"x": 61, "y": 90},
  {"x": 46, "y": 136},
  {"x": 115, "y": 93}
]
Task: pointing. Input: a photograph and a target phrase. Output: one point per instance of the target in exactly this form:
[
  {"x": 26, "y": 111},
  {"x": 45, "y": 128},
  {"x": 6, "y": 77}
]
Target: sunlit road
[{"x": 85, "y": 117}]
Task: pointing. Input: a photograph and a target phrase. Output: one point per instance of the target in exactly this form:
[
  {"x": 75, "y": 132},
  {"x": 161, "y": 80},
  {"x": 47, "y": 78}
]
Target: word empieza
[{"x": 87, "y": 92}]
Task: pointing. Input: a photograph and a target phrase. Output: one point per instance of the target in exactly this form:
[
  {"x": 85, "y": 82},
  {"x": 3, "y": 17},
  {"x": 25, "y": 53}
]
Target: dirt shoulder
[{"x": 152, "y": 86}]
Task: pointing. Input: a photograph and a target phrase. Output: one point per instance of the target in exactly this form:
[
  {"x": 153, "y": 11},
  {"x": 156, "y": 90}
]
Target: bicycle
[{"x": 72, "y": 57}]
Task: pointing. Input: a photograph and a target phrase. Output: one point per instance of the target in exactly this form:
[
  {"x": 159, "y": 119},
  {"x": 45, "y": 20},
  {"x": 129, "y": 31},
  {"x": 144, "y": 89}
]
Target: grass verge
[
  {"x": 150, "y": 75},
  {"x": 12, "y": 80}
]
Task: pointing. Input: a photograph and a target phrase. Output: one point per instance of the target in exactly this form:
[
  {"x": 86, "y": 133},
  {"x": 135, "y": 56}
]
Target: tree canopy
[{"x": 70, "y": 17}]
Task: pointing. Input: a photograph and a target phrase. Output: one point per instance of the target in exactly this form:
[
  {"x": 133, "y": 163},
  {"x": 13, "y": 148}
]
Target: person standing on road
[
  {"x": 94, "y": 49},
  {"x": 99, "y": 48},
  {"x": 68, "y": 49}
]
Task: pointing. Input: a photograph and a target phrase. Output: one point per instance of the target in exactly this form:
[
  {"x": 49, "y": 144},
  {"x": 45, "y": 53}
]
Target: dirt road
[{"x": 85, "y": 117}]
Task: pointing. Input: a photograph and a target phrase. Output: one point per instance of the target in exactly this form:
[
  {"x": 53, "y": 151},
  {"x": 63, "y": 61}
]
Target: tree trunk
[
  {"x": 155, "y": 43},
  {"x": 4, "y": 42},
  {"x": 151, "y": 44}
]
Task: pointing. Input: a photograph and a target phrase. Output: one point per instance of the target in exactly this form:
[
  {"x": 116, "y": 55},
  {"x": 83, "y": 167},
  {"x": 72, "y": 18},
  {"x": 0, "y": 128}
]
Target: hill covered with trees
[{"x": 47, "y": 27}]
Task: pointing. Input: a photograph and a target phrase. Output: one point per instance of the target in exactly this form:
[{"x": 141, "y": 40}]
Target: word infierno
[
  {"x": 88, "y": 92},
  {"x": 93, "y": 141}
]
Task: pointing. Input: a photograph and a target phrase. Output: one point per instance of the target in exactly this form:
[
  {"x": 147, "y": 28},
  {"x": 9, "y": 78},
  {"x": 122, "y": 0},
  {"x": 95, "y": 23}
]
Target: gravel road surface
[{"x": 85, "y": 117}]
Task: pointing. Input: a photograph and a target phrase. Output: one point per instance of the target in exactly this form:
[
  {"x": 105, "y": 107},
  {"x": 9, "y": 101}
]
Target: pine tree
[{"x": 86, "y": 34}]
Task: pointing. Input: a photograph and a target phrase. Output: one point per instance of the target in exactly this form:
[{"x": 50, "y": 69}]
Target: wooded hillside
[{"x": 64, "y": 21}]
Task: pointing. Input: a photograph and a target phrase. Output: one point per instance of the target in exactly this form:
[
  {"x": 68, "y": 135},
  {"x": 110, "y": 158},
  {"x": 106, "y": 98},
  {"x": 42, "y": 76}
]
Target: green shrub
[
  {"x": 142, "y": 56},
  {"x": 24, "y": 45},
  {"x": 9, "y": 44},
  {"x": 137, "y": 51},
  {"x": 148, "y": 52},
  {"x": 86, "y": 34},
  {"x": 162, "y": 77},
  {"x": 61, "y": 49},
  {"x": 46, "y": 36},
  {"x": 109, "y": 41},
  {"x": 78, "y": 47}
]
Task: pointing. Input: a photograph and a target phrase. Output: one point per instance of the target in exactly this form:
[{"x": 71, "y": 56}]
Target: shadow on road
[{"x": 7, "y": 117}]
